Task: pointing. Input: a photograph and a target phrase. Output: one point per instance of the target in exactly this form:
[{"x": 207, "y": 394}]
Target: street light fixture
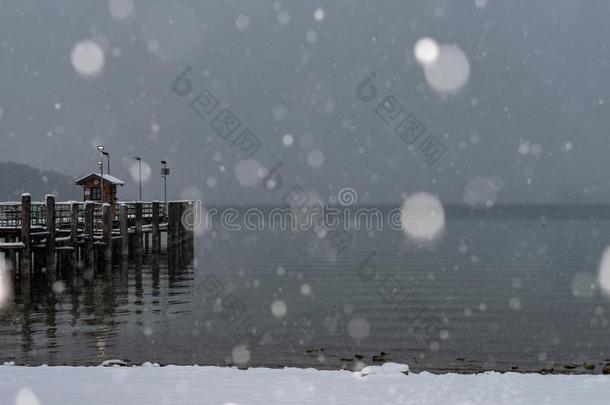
[
  {"x": 139, "y": 159},
  {"x": 101, "y": 163}
]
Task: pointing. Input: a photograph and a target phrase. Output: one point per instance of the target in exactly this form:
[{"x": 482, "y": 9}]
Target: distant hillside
[{"x": 16, "y": 178}]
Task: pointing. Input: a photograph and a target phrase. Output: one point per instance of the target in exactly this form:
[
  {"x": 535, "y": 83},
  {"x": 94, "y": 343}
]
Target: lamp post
[
  {"x": 108, "y": 165},
  {"x": 101, "y": 163},
  {"x": 164, "y": 174},
  {"x": 139, "y": 159}
]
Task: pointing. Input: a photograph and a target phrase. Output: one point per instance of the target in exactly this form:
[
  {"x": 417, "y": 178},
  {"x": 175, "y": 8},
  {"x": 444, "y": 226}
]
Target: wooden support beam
[
  {"x": 89, "y": 252},
  {"x": 11, "y": 246},
  {"x": 74, "y": 237},
  {"x": 26, "y": 228},
  {"x": 188, "y": 221},
  {"x": 138, "y": 236},
  {"x": 146, "y": 242},
  {"x": 107, "y": 235},
  {"x": 156, "y": 235},
  {"x": 124, "y": 225},
  {"x": 173, "y": 234},
  {"x": 51, "y": 256},
  {"x": 197, "y": 221}
]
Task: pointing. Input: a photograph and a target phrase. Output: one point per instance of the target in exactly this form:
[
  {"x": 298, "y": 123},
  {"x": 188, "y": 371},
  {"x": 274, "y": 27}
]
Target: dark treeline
[{"x": 17, "y": 178}]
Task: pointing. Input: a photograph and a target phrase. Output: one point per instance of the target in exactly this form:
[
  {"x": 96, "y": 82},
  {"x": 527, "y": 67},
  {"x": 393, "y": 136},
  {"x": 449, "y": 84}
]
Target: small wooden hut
[{"x": 92, "y": 188}]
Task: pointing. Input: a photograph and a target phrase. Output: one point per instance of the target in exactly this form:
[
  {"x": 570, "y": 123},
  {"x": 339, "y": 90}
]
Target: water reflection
[{"x": 80, "y": 320}]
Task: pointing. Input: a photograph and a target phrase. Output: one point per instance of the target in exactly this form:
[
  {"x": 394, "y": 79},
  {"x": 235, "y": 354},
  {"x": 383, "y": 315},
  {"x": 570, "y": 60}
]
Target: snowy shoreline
[{"x": 151, "y": 384}]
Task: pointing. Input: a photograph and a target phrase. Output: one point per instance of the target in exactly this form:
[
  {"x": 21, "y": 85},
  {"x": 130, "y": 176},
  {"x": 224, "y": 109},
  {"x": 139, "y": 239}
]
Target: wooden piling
[
  {"x": 188, "y": 222},
  {"x": 181, "y": 224},
  {"x": 26, "y": 229},
  {"x": 39, "y": 262},
  {"x": 89, "y": 252},
  {"x": 173, "y": 234},
  {"x": 124, "y": 225},
  {"x": 156, "y": 235},
  {"x": 51, "y": 256},
  {"x": 73, "y": 237},
  {"x": 146, "y": 243},
  {"x": 107, "y": 234},
  {"x": 138, "y": 233},
  {"x": 191, "y": 233}
]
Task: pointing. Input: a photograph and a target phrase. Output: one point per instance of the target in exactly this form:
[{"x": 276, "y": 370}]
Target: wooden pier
[{"x": 89, "y": 236}]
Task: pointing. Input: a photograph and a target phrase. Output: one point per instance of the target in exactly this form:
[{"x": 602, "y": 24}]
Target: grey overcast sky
[{"x": 526, "y": 121}]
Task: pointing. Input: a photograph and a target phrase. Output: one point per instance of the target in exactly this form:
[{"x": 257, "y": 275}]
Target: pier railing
[{"x": 10, "y": 213}]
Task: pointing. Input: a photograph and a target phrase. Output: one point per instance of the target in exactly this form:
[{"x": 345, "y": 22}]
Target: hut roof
[{"x": 110, "y": 179}]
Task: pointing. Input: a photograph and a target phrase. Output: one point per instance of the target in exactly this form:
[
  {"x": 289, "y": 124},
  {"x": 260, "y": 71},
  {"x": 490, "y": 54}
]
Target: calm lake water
[{"x": 514, "y": 291}]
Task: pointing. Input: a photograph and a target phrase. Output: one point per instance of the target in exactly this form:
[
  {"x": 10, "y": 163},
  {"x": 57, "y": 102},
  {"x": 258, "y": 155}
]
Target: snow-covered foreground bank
[{"x": 179, "y": 385}]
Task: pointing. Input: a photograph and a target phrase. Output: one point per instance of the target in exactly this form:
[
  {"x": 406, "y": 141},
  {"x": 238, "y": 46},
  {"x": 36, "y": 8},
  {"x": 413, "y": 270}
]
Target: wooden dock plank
[{"x": 4, "y": 246}]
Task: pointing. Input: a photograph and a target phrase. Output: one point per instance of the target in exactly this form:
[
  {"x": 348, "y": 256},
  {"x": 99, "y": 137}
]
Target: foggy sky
[{"x": 533, "y": 116}]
